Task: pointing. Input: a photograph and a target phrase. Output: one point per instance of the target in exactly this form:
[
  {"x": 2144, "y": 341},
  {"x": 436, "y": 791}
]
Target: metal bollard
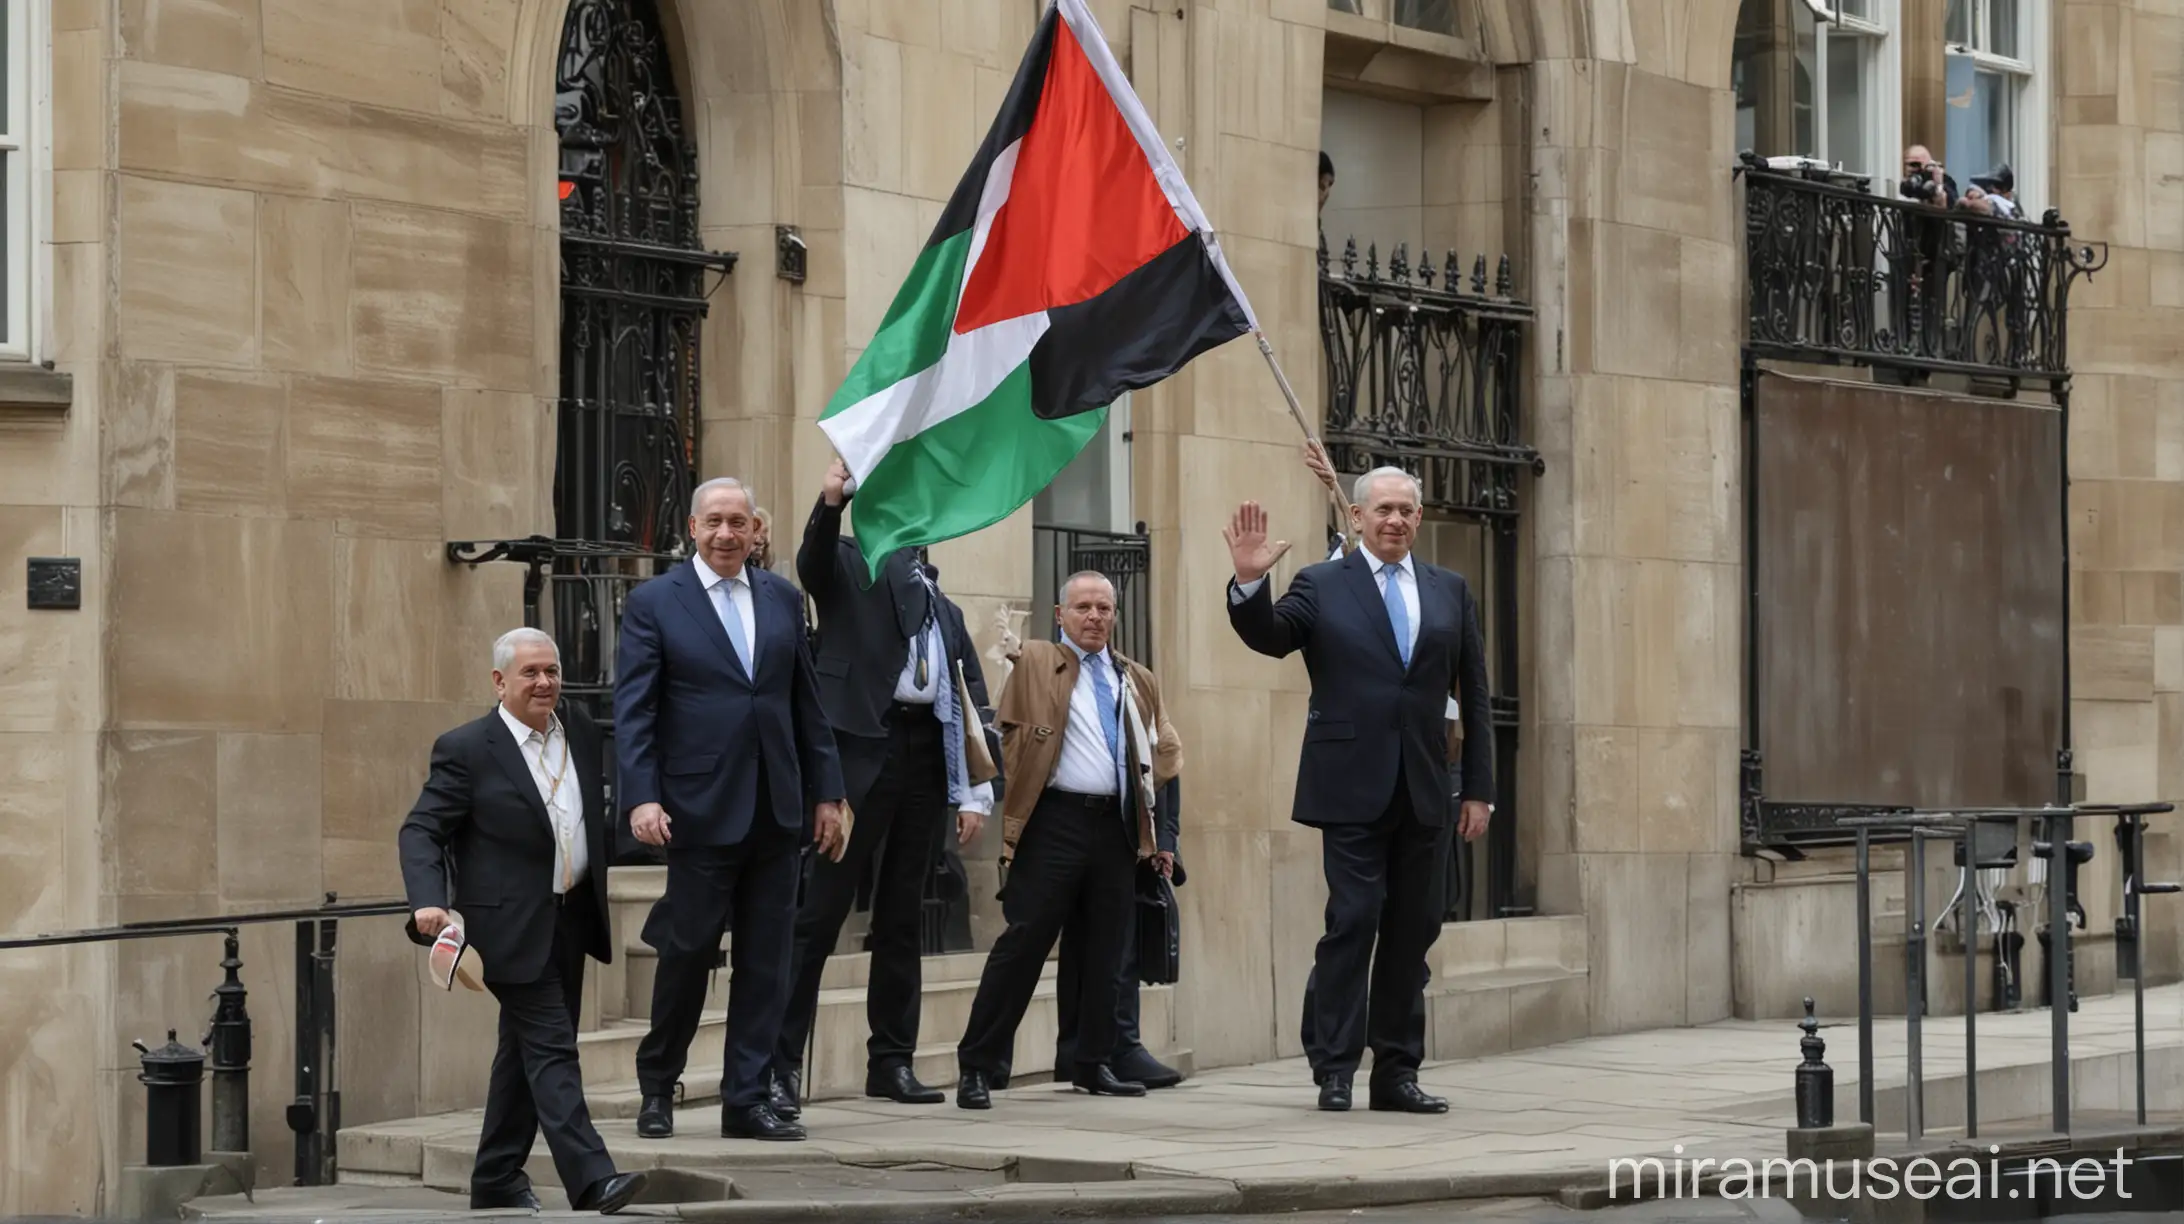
[
  {"x": 171, "y": 1076},
  {"x": 1815, "y": 1079},
  {"x": 229, "y": 1044}
]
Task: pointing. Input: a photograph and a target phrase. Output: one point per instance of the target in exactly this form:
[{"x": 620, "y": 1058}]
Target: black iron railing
[
  {"x": 1424, "y": 373},
  {"x": 315, "y": 1112},
  {"x": 1126, "y": 559},
  {"x": 1835, "y": 273}
]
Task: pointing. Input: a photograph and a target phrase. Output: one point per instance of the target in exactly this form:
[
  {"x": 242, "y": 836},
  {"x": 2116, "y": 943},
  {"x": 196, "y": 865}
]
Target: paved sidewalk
[{"x": 1248, "y": 1138}]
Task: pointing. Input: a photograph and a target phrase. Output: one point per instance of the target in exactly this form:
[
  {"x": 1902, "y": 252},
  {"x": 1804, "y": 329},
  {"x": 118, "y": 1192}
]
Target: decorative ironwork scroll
[{"x": 1837, "y": 274}]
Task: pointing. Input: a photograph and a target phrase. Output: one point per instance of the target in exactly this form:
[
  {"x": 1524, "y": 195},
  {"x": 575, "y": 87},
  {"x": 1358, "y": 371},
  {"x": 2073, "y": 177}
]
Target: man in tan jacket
[{"x": 1085, "y": 745}]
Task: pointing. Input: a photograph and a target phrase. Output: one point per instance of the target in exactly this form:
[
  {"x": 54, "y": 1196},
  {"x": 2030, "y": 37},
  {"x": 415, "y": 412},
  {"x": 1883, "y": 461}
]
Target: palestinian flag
[{"x": 1071, "y": 265}]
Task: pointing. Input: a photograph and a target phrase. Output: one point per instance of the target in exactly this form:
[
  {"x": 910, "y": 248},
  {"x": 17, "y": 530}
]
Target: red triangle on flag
[{"x": 1083, "y": 208}]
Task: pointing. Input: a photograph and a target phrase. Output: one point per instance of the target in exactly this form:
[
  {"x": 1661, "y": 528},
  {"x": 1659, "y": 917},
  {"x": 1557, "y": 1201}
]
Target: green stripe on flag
[
  {"x": 915, "y": 332},
  {"x": 966, "y": 473}
]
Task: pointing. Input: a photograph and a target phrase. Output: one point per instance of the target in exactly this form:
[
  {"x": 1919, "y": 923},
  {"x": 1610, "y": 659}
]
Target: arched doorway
[
  {"x": 633, "y": 296},
  {"x": 633, "y": 301}
]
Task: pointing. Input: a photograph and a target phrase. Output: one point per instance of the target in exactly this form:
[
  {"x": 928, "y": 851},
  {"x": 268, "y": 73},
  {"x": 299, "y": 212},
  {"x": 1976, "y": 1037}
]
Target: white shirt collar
[
  {"x": 1376, "y": 566},
  {"x": 708, "y": 579},
  {"x": 522, "y": 730},
  {"x": 1082, "y": 654}
]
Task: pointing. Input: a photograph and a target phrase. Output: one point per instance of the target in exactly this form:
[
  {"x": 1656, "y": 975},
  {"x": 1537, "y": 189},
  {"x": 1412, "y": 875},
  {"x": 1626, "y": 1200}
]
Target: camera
[{"x": 1916, "y": 186}]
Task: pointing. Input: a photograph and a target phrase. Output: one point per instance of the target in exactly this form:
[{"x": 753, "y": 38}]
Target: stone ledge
[{"x": 34, "y": 393}]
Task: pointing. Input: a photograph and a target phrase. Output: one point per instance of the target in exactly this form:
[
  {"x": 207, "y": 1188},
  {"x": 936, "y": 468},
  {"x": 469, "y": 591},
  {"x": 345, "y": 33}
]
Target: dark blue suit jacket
[
  {"x": 1370, "y": 713},
  {"x": 693, "y": 730}
]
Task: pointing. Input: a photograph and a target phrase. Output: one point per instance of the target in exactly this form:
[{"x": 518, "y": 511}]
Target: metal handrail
[
  {"x": 315, "y": 1112},
  {"x": 1956, "y": 824},
  {"x": 217, "y": 924}
]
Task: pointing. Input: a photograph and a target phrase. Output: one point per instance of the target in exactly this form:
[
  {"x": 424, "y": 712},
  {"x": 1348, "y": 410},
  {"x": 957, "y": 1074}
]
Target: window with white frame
[
  {"x": 1990, "y": 86},
  {"x": 21, "y": 30},
  {"x": 1817, "y": 78}
]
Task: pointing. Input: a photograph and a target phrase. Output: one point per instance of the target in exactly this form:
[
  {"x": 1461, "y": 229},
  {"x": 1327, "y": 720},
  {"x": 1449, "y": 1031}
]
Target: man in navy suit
[
  {"x": 723, "y": 749},
  {"x": 1387, "y": 639}
]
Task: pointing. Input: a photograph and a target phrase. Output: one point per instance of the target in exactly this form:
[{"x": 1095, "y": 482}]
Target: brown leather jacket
[{"x": 1033, "y": 717}]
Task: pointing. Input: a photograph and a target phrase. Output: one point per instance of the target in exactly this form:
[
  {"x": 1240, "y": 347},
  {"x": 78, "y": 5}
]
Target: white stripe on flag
[{"x": 974, "y": 365}]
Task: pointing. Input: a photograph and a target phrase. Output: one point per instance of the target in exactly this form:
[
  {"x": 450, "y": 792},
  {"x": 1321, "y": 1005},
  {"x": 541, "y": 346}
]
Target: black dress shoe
[
  {"x": 782, "y": 1093},
  {"x": 1139, "y": 1066},
  {"x": 656, "y": 1117},
  {"x": 1334, "y": 1093},
  {"x": 758, "y": 1122},
  {"x": 1102, "y": 1081},
  {"x": 900, "y": 1084},
  {"x": 1406, "y": 1096},
  {"x": 610, "y": 1194},
  {"x": 971, "y": 1091},
  {"x": 505, "y": 1200}
]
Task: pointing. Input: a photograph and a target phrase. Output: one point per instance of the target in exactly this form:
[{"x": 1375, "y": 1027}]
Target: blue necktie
[
  {"x": 732, "y": 621},
  {"x": 1108, "y": 720},
  {"x": 1398, "y": 616}
]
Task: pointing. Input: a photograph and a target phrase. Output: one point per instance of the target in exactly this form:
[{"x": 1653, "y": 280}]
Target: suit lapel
[
  {"x": 1366, "y": 586},
  {"x": 501, "y": 742},
  {"x": 700, "y": 605},
  {"x": 585, "y": 748}
]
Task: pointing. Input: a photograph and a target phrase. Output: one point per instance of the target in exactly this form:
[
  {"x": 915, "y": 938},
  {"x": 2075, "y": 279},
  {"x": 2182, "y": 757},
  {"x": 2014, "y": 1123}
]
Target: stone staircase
[
  {"x": 1510, "y": 984},
  {"x": 618, "y": 1004}
]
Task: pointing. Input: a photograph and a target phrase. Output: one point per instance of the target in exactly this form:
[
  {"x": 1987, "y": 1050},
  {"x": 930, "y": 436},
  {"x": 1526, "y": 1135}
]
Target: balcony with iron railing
[{"x": 1837, "y": 274}]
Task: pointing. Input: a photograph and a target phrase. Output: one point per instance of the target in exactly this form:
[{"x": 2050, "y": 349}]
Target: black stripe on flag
[
  {"x": 1145, "y": 327},
  {"x": 1009, "y": 126}
]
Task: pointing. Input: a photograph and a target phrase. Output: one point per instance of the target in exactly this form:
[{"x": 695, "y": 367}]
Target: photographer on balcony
[{"x": 1922, "y": 276}]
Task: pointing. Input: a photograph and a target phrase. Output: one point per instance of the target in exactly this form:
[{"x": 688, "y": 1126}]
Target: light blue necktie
[
  {"x": 1108, "y": 719},
  {"x": 732, "y": 621},
  {"x": 1398, "y": 615}
]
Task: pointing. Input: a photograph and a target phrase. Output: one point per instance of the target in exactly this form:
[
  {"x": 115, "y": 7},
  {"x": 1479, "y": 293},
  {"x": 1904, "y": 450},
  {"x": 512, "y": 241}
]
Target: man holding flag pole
[{"x": 1071, "y": 265}]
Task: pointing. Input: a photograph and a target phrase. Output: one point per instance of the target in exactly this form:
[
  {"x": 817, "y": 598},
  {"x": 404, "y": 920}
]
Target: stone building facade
[{"x": 294, "y": 269}]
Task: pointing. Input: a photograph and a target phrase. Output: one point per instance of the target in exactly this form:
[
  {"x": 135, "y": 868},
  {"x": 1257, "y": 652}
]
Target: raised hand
[
  {"x": 837, "y": 480},
  {"x": 1247, "y": 545}
]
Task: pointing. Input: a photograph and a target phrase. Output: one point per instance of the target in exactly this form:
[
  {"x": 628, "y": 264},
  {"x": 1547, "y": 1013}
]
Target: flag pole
[{"x": 1296, "y": 412}]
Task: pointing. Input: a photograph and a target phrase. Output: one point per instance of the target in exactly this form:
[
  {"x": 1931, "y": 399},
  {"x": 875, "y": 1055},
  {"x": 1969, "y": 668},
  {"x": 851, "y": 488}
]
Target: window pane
[
  {"x": 7, "y": 83},
  {"x": 1437, "y": 16},
  {"x": 7, "y": 269},
  {"x": 1957, "y": 28},
  {"x": 1854, "y": 8},
  {"x": 1803, "y": 121},
  {"x": 1343, "y": 6},
  {"x": 1847, "y": 74},
  {"x": 2002, "y": 28},
  {"x": 1983, "y": 133}
]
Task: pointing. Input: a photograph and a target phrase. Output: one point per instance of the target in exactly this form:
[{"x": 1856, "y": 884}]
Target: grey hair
[
  {"x": 697, "y": 495},
  {"x": 1364, "y": 485},
  {"x": 504, "y": 648},
  {"x": 1083, "y": 576}
]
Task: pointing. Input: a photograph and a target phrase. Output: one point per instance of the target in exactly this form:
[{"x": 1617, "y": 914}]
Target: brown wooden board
[{"x": 1909, "y": 559}]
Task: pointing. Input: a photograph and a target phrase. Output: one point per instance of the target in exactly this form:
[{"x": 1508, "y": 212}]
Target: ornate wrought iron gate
[
  {"x": 633, "y": 298},
  {"x": 1425, "y": 376}
]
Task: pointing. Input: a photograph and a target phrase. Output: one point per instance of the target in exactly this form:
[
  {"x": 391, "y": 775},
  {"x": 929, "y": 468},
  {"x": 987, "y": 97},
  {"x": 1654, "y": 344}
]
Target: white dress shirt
[
  {"x": 1085, "y": 765},
  {"x": 908, "y": 691},
  {"x": 1406, "y": 575},
  {"x": 553, "y": 771},
  {"x": 739, "y": 593}
]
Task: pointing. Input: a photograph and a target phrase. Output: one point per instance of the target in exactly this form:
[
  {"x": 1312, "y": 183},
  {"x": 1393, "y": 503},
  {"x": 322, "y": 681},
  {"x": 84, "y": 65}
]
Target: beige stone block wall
[
  {"x": 2120, "y": 146},
  {"x": 1632, "y": 661}
]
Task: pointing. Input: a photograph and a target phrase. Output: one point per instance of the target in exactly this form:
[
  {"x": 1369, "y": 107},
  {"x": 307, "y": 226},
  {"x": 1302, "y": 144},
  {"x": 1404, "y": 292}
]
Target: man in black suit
[
  {"x": 887, "y": 657},
  {"x": 723, "y": 750},
  {"x": 1131, "y": 1060},
  {"x": 1387, "y": 640},
  {"x": 511, "y": 809}
]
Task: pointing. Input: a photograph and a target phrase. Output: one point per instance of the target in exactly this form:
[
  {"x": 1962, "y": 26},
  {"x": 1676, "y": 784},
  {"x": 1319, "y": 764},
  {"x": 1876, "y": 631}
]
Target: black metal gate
[
  {"x": 633, "y": 299},
  {"x": 1426, "y": 377}
]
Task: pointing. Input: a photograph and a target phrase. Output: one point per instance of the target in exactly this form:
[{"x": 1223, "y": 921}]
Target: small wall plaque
[{"x": 56, "y": 583}]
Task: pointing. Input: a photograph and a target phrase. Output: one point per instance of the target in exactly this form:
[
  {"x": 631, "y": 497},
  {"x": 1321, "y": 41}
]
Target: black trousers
[
  {"x": 1074, "y": 858},
  {"x": 752, "y": 883},
  {"x": 1069, "y": 987},
  {"x": 1386, "y": 893},
  {"x": 535, "y": 1086},
  {"x": 1415, "y": 1034},
  {"x": 900, "y": 822}
]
